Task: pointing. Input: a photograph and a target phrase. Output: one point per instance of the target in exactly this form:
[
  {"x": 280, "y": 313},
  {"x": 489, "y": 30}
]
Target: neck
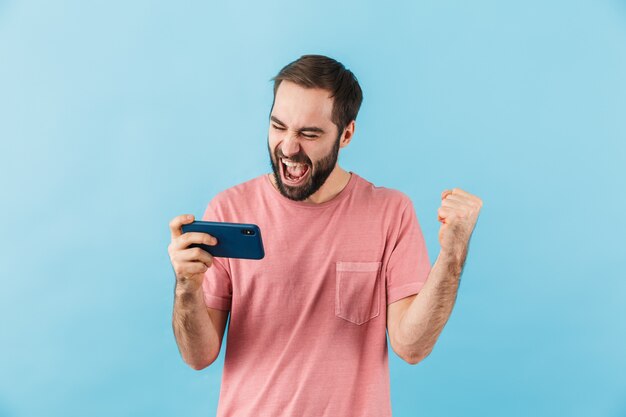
[{"x": 335, "y": 183}]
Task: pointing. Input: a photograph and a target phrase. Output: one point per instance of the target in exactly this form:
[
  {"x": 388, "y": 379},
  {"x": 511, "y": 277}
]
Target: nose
[{"x": 290, "y": 145}]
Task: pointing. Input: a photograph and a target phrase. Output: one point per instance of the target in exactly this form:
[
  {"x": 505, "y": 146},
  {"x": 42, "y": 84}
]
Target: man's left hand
[{"x": 458, "y": 214}]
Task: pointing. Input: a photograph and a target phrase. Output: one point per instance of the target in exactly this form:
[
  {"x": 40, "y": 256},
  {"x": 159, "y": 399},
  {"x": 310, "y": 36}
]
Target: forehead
[{"x": 298, "y": 106}]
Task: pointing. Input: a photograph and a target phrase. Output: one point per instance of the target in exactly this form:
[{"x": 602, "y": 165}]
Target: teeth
[{"x": 291, "y": 164}]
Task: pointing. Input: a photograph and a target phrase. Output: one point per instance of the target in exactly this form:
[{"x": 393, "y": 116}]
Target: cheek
[
  {"x": 272, "y": 141},
  {"x": 315, "y": 152}
]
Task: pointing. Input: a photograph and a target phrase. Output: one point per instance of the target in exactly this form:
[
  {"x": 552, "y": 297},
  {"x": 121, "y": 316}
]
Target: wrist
[
  {"x": 453, "y": 259},
  {"x": 187, "y": 287}
]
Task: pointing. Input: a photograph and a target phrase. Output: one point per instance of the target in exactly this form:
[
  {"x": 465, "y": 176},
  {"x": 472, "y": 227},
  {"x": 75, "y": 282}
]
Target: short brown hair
[{"x": 319, "y": 71}]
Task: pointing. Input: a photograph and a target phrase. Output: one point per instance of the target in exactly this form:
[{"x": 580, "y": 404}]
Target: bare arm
[
  {"x": 198, "y": 330},
  {"x": 417, "y": 322},
  {"x": 428, "y": 311}
]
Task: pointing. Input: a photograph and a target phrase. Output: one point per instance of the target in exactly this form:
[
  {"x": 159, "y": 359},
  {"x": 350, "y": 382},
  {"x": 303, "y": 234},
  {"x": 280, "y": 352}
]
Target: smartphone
[{"x": 234, "y": 240}]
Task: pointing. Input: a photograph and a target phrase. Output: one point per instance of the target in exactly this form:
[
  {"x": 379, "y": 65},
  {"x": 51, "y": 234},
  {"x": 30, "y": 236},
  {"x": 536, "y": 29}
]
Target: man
[{"x": 345, "y": 261}]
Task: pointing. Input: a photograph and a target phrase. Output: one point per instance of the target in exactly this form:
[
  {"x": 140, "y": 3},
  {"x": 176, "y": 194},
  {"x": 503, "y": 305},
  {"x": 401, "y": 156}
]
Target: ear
[{"x": 348, "y": 132}]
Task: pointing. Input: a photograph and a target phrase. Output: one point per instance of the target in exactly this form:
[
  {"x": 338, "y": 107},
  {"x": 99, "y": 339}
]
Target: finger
[
  {"x": 461, "y": 201},
  {"x": 193, "y": 268},
  {"x": 445, "y": 214},
  {"x": 183, "y": 241},
  {"x": 445, "y": 193},
  {"x": 471, "y": 201},
  {"x": 456, "y": 197},
  {"x": 195, "y": 255},
  {"x": 461, "y": 205},
  {"x": 456, "y": 211},
  {"x": 457, "y": 190},
  {"x": 460, "y": 210},
  {"x": 177, "y": 222}
]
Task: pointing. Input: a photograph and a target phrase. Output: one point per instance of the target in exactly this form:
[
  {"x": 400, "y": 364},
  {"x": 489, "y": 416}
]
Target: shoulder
[
  {"x": 235, "y": 193},
  {"x": 382, "y": 195},
  {"x": 237, "y": 201}
]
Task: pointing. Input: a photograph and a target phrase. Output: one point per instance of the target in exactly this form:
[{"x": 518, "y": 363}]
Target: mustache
[{"x": 299, "y": 159}]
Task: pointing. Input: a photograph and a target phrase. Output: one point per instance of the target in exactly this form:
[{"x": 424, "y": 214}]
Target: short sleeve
[
  {"x": 217, "y": 286},
  {"x": 408, "y": 266}
]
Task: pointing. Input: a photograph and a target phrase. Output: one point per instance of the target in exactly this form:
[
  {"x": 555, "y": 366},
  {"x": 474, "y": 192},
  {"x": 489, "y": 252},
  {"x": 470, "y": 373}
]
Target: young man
[{"x": 345, "y": 261}]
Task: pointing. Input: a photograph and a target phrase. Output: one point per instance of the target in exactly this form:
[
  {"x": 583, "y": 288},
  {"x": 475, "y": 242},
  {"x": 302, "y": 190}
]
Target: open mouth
[{"x": 293, "y": 173}]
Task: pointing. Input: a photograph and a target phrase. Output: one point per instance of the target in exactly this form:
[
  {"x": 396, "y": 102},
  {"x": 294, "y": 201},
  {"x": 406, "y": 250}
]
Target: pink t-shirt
[{"x": 307, "y": 331}]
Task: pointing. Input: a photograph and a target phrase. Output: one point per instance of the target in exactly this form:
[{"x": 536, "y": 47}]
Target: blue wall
[{"x": 117, "y": 116}]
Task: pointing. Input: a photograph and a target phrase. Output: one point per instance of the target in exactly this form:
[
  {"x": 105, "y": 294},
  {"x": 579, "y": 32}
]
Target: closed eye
[{"x": 306, "y": 136}]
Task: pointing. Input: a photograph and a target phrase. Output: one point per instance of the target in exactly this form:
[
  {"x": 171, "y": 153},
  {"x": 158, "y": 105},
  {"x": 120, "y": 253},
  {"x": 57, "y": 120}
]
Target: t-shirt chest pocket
[{"x": 357, "y": 291}]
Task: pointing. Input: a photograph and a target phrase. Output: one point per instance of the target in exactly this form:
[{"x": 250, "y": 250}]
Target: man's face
[{"x": 303, "y": 142}]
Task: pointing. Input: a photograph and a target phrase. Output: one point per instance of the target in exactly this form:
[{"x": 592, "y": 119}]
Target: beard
[{"x": 319, "y": 172}]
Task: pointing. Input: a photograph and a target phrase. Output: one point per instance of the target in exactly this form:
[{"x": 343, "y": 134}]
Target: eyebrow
[{"x": 303, "y": 129}]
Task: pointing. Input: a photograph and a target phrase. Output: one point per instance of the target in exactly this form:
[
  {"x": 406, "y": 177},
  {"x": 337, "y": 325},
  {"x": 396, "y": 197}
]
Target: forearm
[
  {"x": 429, "y": 311},
  {"x": 196, "y": 336}
]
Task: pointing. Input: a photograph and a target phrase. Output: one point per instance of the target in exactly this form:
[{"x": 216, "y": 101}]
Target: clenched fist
[{"x": 458, "y": 214}]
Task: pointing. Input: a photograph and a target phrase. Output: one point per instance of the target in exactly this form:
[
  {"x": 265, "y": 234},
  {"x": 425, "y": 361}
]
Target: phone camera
[{"x": 247, "y": 232}]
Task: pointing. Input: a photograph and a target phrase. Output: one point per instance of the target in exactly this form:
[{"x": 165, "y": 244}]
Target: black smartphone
[{"x": 234, "y": 240}]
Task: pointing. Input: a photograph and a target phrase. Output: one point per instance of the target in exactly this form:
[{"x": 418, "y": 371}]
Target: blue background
[{"x": 117, "y": 116}]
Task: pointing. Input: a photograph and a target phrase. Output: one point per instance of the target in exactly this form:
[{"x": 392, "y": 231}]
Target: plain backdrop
[{"x": 117, "y": 116}]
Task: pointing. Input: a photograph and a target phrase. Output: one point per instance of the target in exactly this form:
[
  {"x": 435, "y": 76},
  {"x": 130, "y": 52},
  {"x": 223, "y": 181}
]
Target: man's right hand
[{"x": 189, "y": 264}]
